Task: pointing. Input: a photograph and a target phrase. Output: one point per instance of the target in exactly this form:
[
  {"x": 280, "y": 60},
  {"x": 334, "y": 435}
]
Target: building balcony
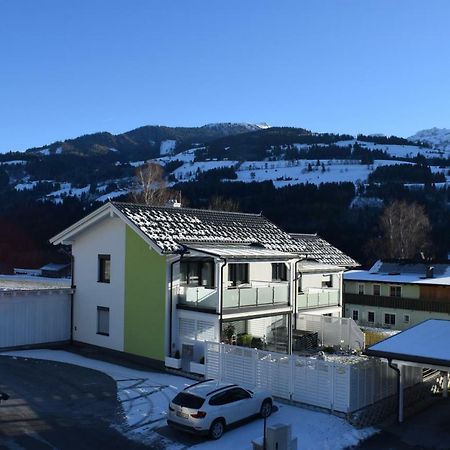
[
  {"x": 398, "y": 302},
  {"x": 318, "y": 298},
  {"x": 234, "y": 299},
  {"x": 198, "y": 297},
  {"x": 256, "y": 296}
]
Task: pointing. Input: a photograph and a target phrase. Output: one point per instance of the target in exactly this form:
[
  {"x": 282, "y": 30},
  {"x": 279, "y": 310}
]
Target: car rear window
[{"x": 188, "y": 400}]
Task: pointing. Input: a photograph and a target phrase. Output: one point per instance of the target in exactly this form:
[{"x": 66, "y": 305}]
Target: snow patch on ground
[
  {"x": 167, "y": 147},
  {"x": 188, "y": 171},
  {"x": 145, "y": 396},
  {"x": 111, "y": 195},
  {"x": 15, "y": 162},
  {"x": 25, "y": 186}
]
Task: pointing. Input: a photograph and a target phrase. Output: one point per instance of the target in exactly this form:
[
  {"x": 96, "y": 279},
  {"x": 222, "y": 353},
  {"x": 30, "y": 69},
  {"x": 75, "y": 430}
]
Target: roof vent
[
  {"x": 429, "y": 272},
  {"x": 173, "y": 203}
]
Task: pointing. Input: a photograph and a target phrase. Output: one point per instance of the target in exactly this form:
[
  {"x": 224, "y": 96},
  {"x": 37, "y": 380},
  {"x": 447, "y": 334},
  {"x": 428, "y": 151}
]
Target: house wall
[
  {"x": 408, "y": 290},
  {"x": 314, "y": 280},
  {"x": 105, "y": 237},
  {"x": 146, "y": 287},
  {"x": 415, "y": 317}
]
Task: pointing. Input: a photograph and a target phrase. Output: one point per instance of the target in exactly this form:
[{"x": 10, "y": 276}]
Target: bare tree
[
  {"x": 223, "y": 204},
  {"x": 150, "y": 187},
  {"x": 406, "y": 230}
]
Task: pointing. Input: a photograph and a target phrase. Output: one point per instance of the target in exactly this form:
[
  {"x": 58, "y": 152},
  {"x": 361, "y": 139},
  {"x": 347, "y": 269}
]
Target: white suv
[{"x": 209, "y": 406}]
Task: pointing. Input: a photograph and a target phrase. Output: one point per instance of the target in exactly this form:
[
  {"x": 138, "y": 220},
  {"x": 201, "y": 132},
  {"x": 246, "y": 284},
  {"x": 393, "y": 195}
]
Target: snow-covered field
[{"x": 145, "y": 395}]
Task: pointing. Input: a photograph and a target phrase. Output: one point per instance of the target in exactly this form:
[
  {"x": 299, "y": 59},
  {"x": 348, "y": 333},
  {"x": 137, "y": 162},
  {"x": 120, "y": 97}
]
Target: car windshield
[{"x": 188, "y": 400}]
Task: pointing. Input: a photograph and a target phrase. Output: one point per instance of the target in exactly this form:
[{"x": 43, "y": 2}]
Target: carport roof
[{"x": 426, "y": 343}]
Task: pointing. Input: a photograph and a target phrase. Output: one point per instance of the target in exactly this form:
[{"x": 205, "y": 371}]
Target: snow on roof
[
  {"x": 424, "y": 343},
  {"x": 31, "y": 283},
  {"x": 170, "y": 228},
  {"x": 405, "y": 273},
  {"x": 322, "y": 251},
  {"x": 54, "y": 266}
]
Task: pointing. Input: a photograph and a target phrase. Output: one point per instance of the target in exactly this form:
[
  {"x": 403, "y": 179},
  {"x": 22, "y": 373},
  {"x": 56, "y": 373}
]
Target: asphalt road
[{"x": 58, "y": 406}]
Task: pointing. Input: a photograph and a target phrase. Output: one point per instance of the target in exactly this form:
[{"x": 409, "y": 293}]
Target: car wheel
[
  {"x": 266, "y": 408},
  {"x": 217, "y": 429}
]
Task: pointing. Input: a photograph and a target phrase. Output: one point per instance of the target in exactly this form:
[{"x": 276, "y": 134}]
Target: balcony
[
  {"x": 198, "y": 297},
  {"x": 318, "y": 298},
  {"x": 429, "y": 305},
  {"x": 256, "y": 296}
]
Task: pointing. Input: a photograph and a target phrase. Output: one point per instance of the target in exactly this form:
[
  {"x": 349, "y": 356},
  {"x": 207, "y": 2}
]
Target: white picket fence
[
  {"x": 338, "y": 387},
  {"x": 333, "y": 331}
]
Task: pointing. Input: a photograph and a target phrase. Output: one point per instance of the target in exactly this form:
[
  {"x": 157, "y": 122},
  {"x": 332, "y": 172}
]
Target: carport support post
[
  {"x": 401, "y": 386},
  {"x": 445, "y": 384}
]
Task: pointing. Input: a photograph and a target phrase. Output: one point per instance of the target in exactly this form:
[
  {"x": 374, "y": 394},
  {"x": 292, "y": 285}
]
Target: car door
[{"x": 240, "y": 404}]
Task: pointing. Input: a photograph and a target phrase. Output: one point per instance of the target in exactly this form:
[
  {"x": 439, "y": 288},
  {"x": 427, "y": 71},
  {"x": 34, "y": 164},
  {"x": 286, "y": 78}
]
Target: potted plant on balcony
[
  {"x": 198, "y": 368},
  {"x": 174, "y": 362}
]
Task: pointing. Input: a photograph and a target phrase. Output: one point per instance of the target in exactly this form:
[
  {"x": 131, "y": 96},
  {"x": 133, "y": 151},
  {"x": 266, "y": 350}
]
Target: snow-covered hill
[
  {"x": 439, "y": 138},
  {"x": 224, "y": 126}
]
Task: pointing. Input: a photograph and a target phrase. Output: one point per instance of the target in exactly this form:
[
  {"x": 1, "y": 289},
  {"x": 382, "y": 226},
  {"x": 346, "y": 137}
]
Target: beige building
[{"x": 397, "y": 295}]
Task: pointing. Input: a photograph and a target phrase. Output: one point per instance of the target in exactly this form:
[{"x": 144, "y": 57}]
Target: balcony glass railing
[
  {"x": 318, "y": 298},
  {"x": 256, "y": 296},
  {"x": 198, "y": 297}
]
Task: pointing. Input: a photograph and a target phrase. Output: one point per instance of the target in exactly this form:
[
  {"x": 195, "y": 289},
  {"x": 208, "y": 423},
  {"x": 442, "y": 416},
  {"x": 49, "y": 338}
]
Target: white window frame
[
  {"x": 371, "y": 312},
  {"x": 357, "y": 314},
  {"x": 360, "y": 291},
  {"x": 407, "y": 318},
  {"x": 395, "y": 286}
]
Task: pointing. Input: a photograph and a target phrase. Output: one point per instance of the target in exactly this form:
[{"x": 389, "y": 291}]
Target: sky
[{"x": 349, "y": 66}]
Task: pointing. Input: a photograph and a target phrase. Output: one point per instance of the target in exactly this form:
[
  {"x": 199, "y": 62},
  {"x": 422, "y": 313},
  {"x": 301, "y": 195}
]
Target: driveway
[
  {"x": 427, "y": 430},
  {"x": 59, "y": 406}
]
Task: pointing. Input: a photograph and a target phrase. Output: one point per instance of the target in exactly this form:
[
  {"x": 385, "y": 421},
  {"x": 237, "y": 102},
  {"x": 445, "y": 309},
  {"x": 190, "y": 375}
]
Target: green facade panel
[{"x": 145, "y": 294}]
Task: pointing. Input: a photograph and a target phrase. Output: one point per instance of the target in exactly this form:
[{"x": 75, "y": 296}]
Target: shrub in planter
[
  {"x": 257, "y": 343},
  {"x": 244, "y": 340}
]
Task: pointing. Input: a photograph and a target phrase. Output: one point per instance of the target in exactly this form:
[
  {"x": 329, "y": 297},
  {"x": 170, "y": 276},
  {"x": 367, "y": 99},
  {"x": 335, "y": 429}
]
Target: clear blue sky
[{"x": 70, "y": 68}]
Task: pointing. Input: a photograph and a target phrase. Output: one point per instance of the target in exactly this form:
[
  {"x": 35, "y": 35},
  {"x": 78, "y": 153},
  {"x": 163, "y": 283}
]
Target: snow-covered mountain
[
  {"x": 437, "y": 137},
  {"x": 232, "y": 126}
]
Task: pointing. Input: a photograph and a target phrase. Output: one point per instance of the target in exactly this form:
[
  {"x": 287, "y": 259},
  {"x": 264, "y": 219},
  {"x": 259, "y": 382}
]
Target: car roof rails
[
  {"x": 221, "y": 388},
  {"x": 199, "y": 382}
]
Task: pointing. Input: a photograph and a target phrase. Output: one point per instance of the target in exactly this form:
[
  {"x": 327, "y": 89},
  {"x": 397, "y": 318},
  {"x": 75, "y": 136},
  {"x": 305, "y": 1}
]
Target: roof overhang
[
  {"x": 424, "y": 345},
  {"x": 234, "y": 252},
  {"x": 68, "y": 235}
]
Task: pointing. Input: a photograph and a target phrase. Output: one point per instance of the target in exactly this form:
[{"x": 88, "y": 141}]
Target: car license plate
[{"x": 182, "y": 414}]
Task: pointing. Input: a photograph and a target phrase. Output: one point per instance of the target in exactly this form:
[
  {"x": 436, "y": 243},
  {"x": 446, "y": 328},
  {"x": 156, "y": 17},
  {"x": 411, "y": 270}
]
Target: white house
[{"x": 157, "y": 281}]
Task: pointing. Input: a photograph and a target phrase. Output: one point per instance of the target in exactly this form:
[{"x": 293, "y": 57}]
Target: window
[
  {"x": 389, "y": 319},
  {"x": 197, "y": 273},
  {"x": 360, "y": 289},
  {"x": 220, "y": 399},
  {"x": 187, "y": 400},
  {"x": 355, "y": 315},
  {"x": 406, "y": 318},
  {"x": 371, "y": 317},
  {"x": 237, "y": 394},
  {"x": 103, "y": 320},
  {"x": 279, "y": 272},
  {"x": 376, "y": 289},
  {"x": 238, "y": 274},
  {"x": 104, "y": 268},
  {"x": 327, "y": 281},
  {"x": 395, "y": 291}
]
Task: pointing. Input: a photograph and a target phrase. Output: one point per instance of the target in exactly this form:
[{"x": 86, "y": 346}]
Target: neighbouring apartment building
[{"x": 396, "y": 294}]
